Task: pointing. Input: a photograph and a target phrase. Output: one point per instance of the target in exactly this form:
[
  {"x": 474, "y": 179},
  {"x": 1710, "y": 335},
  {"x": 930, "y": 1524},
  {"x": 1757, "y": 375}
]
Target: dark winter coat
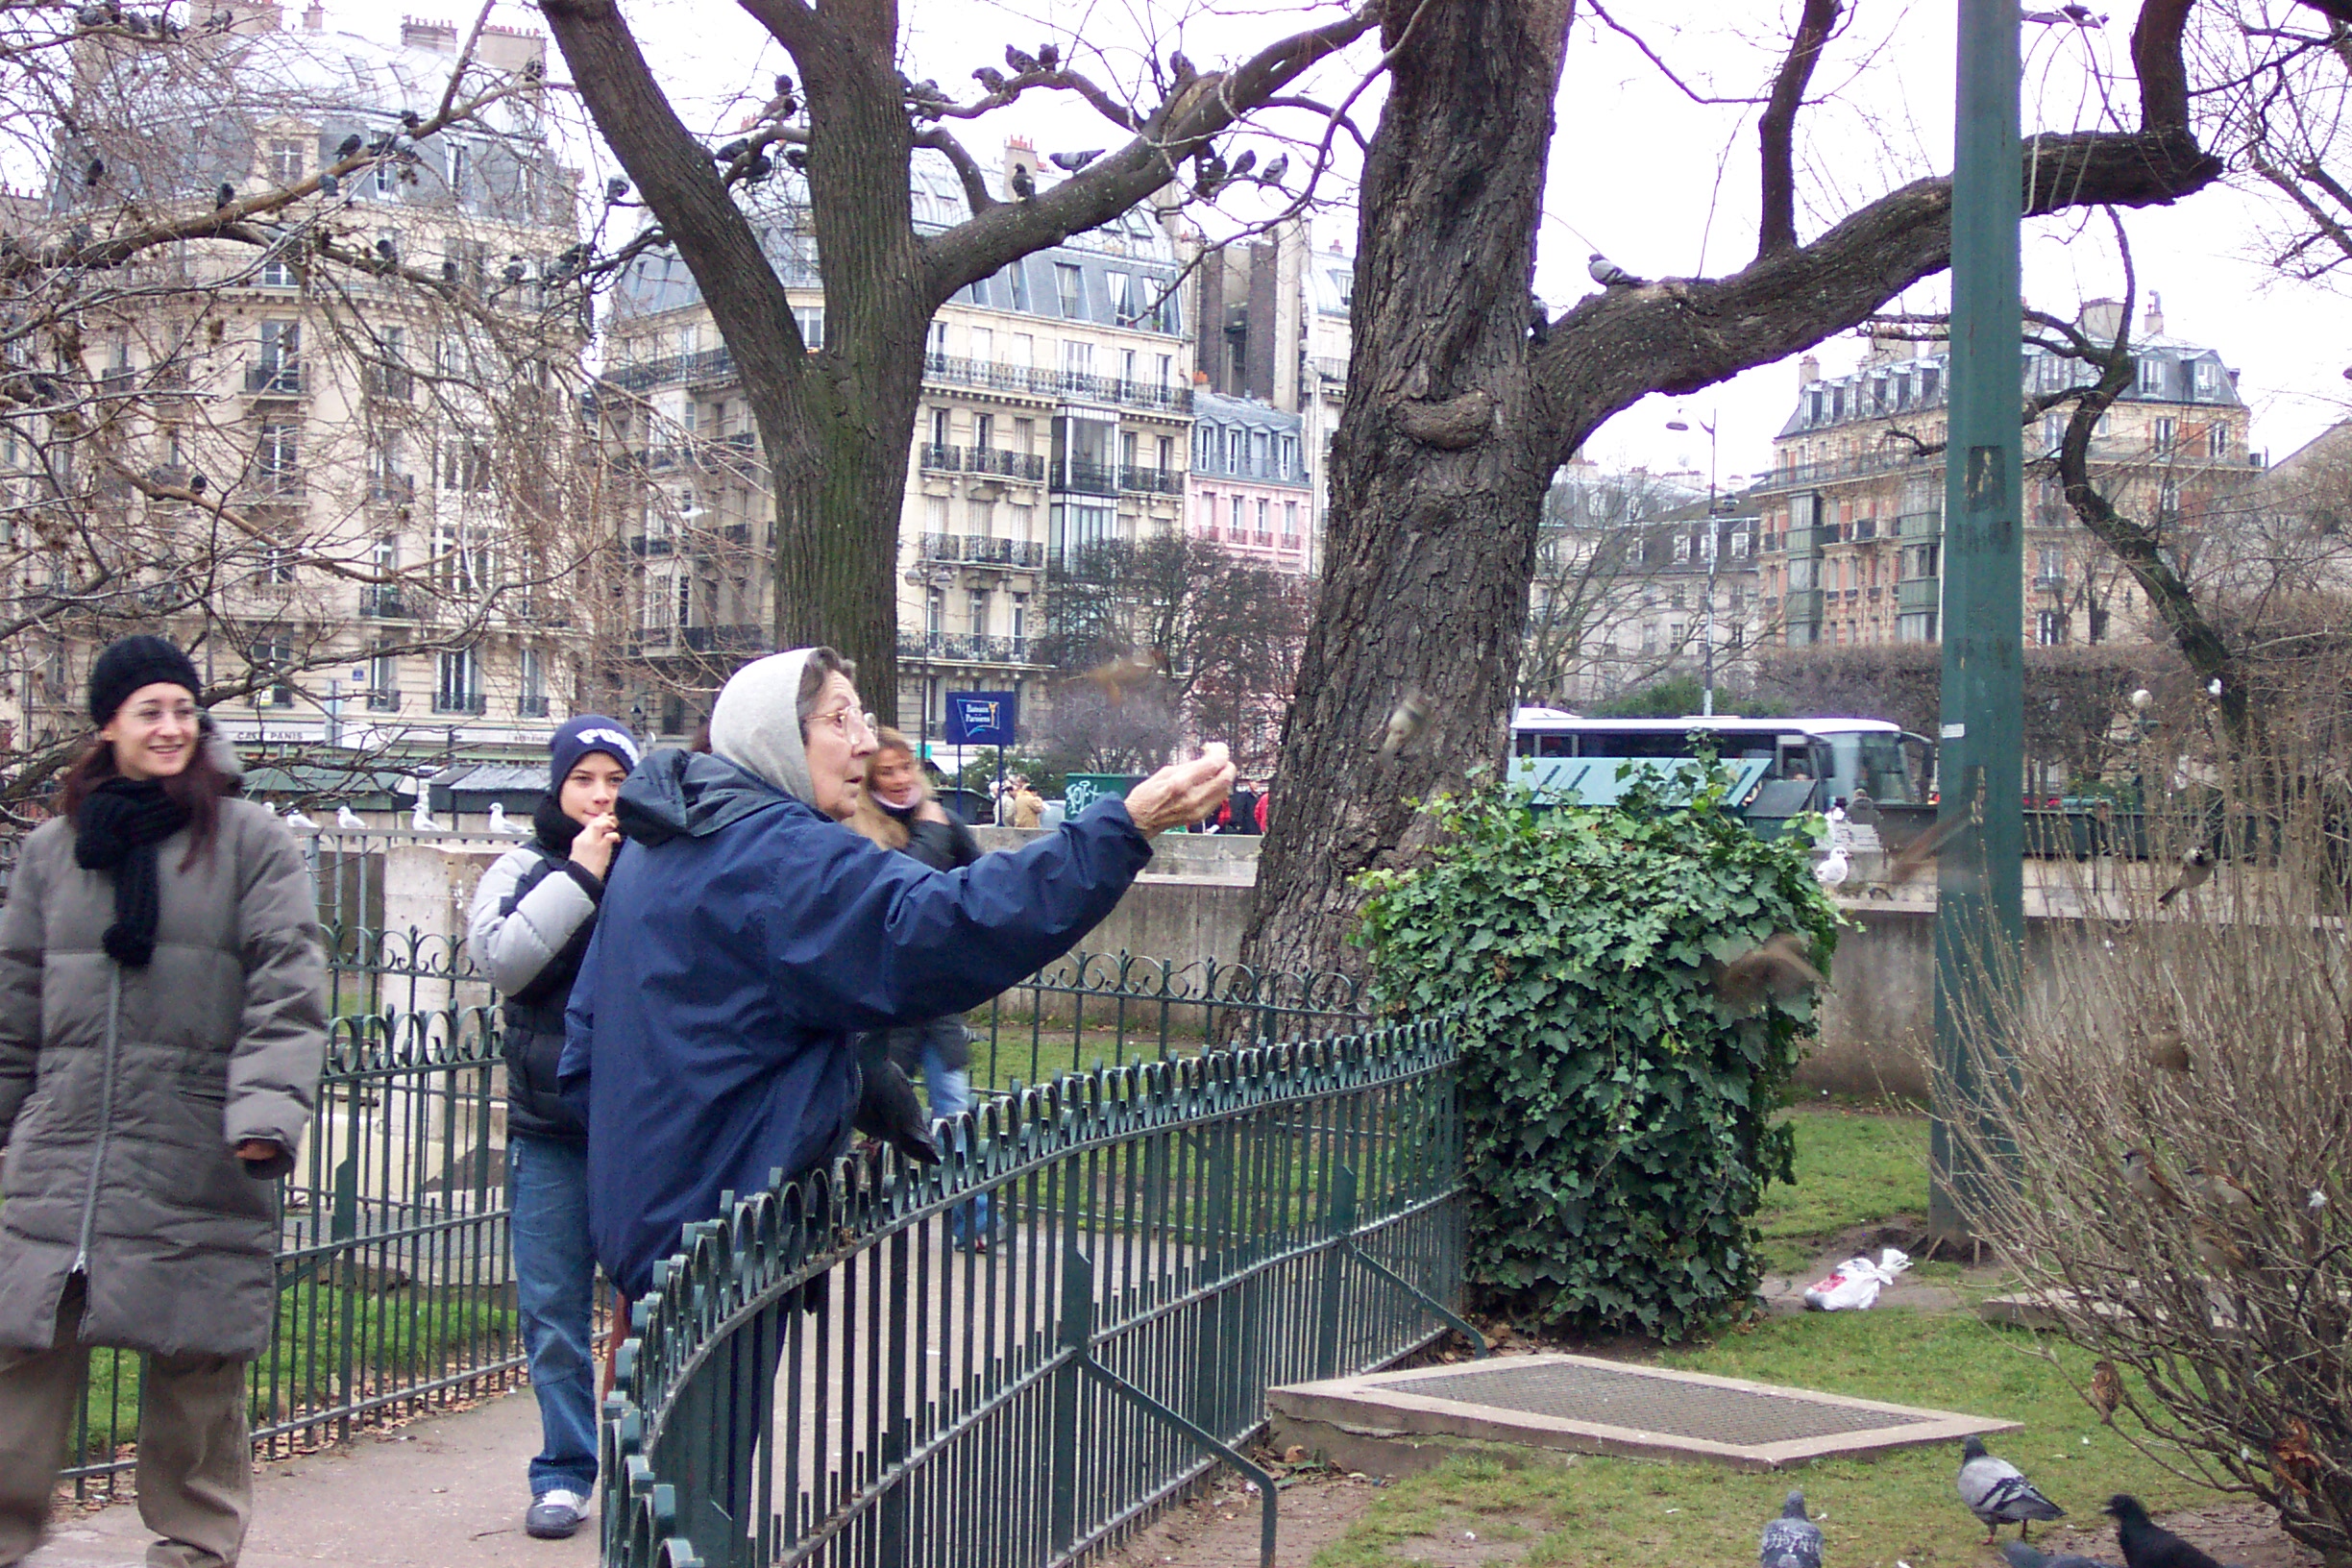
[
  {"x": 532, "y": 914},
  {"x": 124, "y": 1093},
  {"x": 744, "y": 939},
  {"x": 943, "y": 846}
]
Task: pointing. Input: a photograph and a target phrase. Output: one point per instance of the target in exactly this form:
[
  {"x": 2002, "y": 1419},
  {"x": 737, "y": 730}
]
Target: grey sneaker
[{"x": 555, "y": 1514}]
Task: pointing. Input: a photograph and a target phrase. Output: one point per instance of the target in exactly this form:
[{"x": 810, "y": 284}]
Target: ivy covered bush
[{"x": 1619, "y": 1117}]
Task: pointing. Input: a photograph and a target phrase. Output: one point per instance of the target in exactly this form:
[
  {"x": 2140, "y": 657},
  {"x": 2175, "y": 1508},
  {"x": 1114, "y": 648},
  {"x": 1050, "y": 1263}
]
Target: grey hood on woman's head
[{"x": 755, "y": 724}]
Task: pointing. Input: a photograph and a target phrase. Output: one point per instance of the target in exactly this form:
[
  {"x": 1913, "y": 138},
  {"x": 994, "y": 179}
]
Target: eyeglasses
[{"x": 839, "y": 720}]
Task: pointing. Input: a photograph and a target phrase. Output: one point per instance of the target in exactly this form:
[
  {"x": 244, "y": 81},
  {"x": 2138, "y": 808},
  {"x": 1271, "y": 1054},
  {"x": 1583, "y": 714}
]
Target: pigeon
[
  {"x": 1997, "y": 1492},
  {"x": 1792, "y": 1540},
  {"x": 2197, "y": 870},
  {"x": 887, "y": 1108},
  {"x": 329, "y": 184},
  {"x": 387, "y": 250},
  {"x": 1181, "y": 67},
  {"x": 1024, "y": 186},
  {"x": 2021, "y": 1555},
  {"x": 410, "y": 119},
  {"x": 1407, "y": 719},
  {"x": 294, "y": 818},
  {"x": 1073, "y": 162},
  {"x": 348, "y": 820},
  {"x": 1049, "y": 56},
  {"x": 1539, "y": 323},
  {"x": 732, "y": 151},
  {"x": 348, "y": 147},
  {"x": 96, "y": 171},
  {"x": 1020, "y": 59},
  {"x": 1243, "y": 161},
  {"x": 989, "y": 78},
  {"x": 197, "y": 483},
  {"x": 1777, "y": 966},
  {"x": 1272, "y": 174},
  {"x": 1925, "y": 848},
  {"x": 225, "y": 196},
  {"x": 616, "y": 189},
  {"x": 2147, "y": 1544},
  {"x": 1833, "y": 868},
  {"x": 1609, "y": 275},
  {"x": 497, "y": 818},
  {"x": 515, "y": 270},
  {"x": 420, "y": 820}
]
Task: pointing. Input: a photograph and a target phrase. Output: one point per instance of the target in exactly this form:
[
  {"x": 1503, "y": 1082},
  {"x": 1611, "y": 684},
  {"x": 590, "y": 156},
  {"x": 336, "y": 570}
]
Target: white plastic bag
[{"x": 1854, "y": 1283}]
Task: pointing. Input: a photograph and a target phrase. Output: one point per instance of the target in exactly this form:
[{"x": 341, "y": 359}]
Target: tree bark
[{"x": 1430, "y": 544}]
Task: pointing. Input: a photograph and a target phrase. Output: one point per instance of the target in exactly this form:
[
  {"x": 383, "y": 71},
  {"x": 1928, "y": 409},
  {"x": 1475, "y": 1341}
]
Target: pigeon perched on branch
[
  {"x": 1609, "y": 275},
  {"x": 1792, "y": 1540},
  {"x": 1997, "y": 1492},
  {"x": 2197, "y": 870},
  {"x": 1073, "y": 162},
  {"x": 1024, "y": 184},
  {"x": 348, "y": 147},
  {"x": 2147, "y": 1544}
]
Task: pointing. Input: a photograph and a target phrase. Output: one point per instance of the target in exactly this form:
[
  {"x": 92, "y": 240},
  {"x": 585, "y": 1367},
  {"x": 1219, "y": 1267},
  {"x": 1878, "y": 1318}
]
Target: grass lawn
[
  {"x": 1899, "y": 1507},
  {"x": 1853, "y": 1168}
]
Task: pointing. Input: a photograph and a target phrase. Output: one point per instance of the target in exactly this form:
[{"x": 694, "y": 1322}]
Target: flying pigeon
[
  {"x": 1777, "y": 966},
  {"x": 294, "y": 818},
  {"x": 1609, "y": 275},
  {"x": 1407, "y": 719},
  {"x": 2197, "y": 870},
  {"x": 887, "y": 1108},
  {"x": 1915, "y": 855},
  {"x": 1073, "y": 162},
  {"x": 420, "y": 820},
  {"x": 2021, "y": 1554},
  {"x": 2147, "y": 1544},
  {"x": 1792, "y": 1540},
  {"x": 348, "y": 147},
  {"x": 1833, "y": 868},
  {"x": 348, "y": 820},
  {"x": 1997, "y": 1492}
]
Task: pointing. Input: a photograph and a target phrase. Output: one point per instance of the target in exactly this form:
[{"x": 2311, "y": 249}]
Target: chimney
[
  {"x": 2152, "y": 318},
  {"x": 1808, "y": 371},
  {"x": 2099, "y": 319},
  {"x": 440, "y": 37},
  {"x": 314, "y": 19}
]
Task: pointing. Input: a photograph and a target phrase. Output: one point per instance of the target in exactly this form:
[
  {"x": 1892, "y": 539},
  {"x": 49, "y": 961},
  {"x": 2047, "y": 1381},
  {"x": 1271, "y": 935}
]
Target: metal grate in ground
[{"x": 1590, "y": 1405}]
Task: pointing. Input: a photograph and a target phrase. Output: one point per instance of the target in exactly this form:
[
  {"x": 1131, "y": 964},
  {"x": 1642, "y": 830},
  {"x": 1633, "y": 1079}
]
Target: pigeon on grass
[
  {"x": 1792, "y": 1540},
  {"x": 1997, "y": 1492},
  {"x": 2147, "y": 1544},
  {"x": 2021, "y": 1554}
]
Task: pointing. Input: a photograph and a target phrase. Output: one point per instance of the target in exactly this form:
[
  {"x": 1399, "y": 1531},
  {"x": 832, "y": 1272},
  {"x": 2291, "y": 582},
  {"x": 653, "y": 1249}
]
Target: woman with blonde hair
[{"x": 897, "y": 810}]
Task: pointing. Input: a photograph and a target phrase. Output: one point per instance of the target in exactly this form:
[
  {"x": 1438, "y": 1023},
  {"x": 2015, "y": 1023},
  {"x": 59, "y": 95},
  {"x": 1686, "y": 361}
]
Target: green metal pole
[{"x": 1980, "y": 894}]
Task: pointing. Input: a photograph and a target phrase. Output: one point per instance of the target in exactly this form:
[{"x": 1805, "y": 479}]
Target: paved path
[{"x": 448, "y": 1490}]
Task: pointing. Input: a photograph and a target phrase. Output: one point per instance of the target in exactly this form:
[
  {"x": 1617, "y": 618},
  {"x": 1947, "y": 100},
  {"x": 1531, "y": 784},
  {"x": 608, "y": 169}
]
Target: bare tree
[
  {"x": 238, "y": 399},
  {"x": 835, "y": 424},
  {"x": 1457, "y": 414}
]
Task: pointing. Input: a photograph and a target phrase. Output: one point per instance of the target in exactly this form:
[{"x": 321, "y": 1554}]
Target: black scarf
[
  {"x": 117, "y": 830},
  {"x": 554, "y": 830}
]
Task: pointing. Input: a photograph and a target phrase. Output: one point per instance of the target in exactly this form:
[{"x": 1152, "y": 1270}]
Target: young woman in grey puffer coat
[
  {"x": 533, "y": 916},
  {"x": 162, "y": 1025}
]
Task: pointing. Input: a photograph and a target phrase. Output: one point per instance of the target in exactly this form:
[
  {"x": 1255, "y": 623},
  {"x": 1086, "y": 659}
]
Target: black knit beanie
[{"x": 131, "y": 663}]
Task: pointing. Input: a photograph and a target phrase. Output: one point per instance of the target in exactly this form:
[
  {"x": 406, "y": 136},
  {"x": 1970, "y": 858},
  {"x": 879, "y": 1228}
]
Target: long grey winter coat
[{"x": 124, "y": 1093}]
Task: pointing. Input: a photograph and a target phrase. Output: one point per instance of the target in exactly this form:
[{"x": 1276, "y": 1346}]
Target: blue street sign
[{"x": 980, "y": 717}]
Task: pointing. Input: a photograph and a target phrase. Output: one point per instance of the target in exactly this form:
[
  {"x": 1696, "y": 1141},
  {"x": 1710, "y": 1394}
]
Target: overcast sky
[{"x": 1662, "y": 184}]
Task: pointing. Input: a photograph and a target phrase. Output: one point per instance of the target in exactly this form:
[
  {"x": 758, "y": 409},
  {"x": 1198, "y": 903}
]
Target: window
[
  {"x": 1069, "y": 287},
  {"x": 285, "y": 161},
  {"x": 1129, "y": 444},
  {"x": 383, "y": 683},
  {"x": 1233, "y": 451},
  {"x": 458, "y": 682},
  {"x": 935, "y": 340},
  {"x": 2152, "y": 375},
  {"x": 279, "y": 366},
  {"x": 2052, "y": 565},
  {"x": 460, "y": 173},
  {"x": 277, "y": 273},
  {"x": 980, "y": 517},
  {"x": 2208, "y": 378},
  {"x": 984, "y": 431},
  {"x": 983, "y": 343},
  {"x": 1928, "y": 383},
  {"x": 979, "y": 612},
  {"x": 531, "y": 679},
  {"x": 2161, "y": 434},
  {"x": 1024, "y": 436},
  {"x": 1290, "y": 520},
  {"x": 1123, "y": 308},
  {"x": 1018, "y": 275},
  {"x": 465, "y": 466},
  {"x": 810, "y": 320},
  {"x": 938, "y": 426},
  {"x": 1208, "y": 514},
  {"x": 1287, "y": 458},
  {"x": 935, "y": 514},
  {"x": 684, "y": 581},
  {"x": 277, "y": 458},
  {"x": 383, "y": 180},
  {"x": 269, "y": 657},
  {"x": 2049, "y": 627},
  {"x": 2216, "y": 440},
  {"x": 1813, "y": 407},
  {"x": 277, "y": 566},
  {"x": 1681, "y": 548},
  {"x": 1741, "y": 541},
  {"x": 1077, "y": 357},
  {"x": 1020, "y": 617}
]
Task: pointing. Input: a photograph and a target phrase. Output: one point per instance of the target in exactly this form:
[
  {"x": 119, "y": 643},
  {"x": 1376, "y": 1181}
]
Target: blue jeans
[
  {"x": 949, "y": 1092},
  {"x": 547, "y": 1196}
]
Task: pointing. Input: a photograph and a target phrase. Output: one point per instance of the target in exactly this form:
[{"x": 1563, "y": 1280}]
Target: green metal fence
[{"x": 824, "y": 1376}]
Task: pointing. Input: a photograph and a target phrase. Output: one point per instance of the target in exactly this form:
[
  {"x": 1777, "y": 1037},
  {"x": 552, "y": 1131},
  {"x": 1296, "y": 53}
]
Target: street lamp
[{"x": 1707, "y": 653}]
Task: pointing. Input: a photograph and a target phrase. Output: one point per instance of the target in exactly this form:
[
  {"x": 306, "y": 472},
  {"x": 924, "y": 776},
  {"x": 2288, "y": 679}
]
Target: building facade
[
  {"x": 1853, "y": 505},
  {"x": 342, "y": 487},
  {"x": 1056, "y": 413},
  {"x": 1249, "y": 492}
]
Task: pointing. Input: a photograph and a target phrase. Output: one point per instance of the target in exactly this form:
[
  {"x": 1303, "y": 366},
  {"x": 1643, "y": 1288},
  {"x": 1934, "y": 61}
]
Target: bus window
[
  {"x": 1882, "y": 770},
  {"x": 1555, "y": 746}
]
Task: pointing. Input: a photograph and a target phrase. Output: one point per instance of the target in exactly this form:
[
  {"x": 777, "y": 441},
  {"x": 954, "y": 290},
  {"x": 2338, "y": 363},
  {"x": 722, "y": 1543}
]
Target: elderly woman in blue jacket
[{"x": 748, "y": 935}]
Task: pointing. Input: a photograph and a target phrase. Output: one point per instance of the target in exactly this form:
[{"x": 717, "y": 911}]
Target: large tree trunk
[
  {"x": 1454, "y": 421},
  {"x": 1436, "y": 486}
]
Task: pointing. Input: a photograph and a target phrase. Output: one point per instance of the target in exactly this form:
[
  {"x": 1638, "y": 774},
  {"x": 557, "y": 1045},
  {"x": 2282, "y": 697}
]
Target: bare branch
[{"x": 1776, "y": 128}]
